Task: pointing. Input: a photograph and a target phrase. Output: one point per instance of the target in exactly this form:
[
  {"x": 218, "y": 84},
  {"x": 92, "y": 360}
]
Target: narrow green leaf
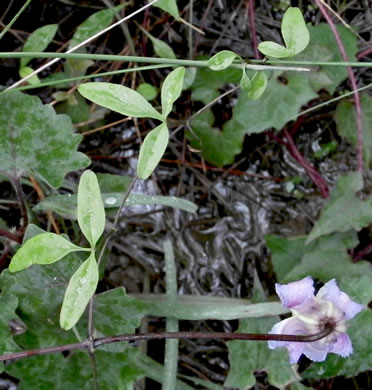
[
  {"x": 169, "y": 6},
  {"x": 152, "y": 151},
  {"x": 171, "y": 89},
  {"x": 79, "y": 291},
  {"x": 93, "y": 24},
  {"x": 90, "y": 210},
  {"x": 259, "y": 84},
  {"x": 295, "y": 33},
  {"x": 39, "y": 41},
  {"x": 120, "y": 99},
  {"x": 162, "y": 49},
  {"x": 222, "y": 60},
  {"x": 272, "y": 49},
  {"x": 45, "y": 248}
]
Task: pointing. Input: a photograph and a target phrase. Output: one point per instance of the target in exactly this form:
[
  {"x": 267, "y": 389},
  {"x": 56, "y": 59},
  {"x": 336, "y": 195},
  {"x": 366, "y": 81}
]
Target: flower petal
[
  {"x": 316, "y": 351},
  {"x": 331, "y": 292},
  {"x": 296, "y": 293},
  {"x": 342, "y": 346}
]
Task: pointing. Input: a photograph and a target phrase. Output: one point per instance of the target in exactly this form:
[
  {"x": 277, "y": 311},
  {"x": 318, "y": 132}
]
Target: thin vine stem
[
  {"x": 98, "y": 342},
  {"x": 251, "y": 63},
  {"x": 16, "y": 16}
]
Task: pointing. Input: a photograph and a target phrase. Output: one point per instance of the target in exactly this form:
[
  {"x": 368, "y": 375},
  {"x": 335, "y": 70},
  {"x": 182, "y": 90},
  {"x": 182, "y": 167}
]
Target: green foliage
[
  {"x": 251, "y": 116},
  {"x": 80, "y": 290},
  {"x": 345, "y": 118},
  {"x": 325, "y": 259},
  {"x": 161, "y": 49},
  {"x": 90, "y": 210},
  {"x": 169, "y": 6},
  {"x": 258, "y": 86},
  {"x": 38, "y": 41},
  {"x": 152, "y": 151},
  {"x": 344, "y": 210},
  {"x": 295, "y": 35},
  {"x": 148, "y": 91},
  {"x": 93, "y": 25},
  {"x": 34, "y": 140},
  {"x": 222, "y": 60},
  {"x": 171, "y": 90},
  {"x": 323, "y": 47},
  {"x": 45, "y": 248},
  {"x": 120, "y": 99}
]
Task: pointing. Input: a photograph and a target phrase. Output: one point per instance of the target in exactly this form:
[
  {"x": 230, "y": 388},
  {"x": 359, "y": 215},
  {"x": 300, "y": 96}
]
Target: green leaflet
[{"x": 171, "y": 90}]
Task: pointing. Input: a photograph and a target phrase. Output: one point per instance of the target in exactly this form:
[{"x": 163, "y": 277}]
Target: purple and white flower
[{"x": 310, "y": 314}]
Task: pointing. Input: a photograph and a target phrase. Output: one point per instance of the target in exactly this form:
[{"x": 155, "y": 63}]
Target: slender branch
[
  {"x": 22, "y": 202},
  {"x": 17, "y": 15},
  {"x": 352, "y": 82},
  {"x": 98, "y": 342}
]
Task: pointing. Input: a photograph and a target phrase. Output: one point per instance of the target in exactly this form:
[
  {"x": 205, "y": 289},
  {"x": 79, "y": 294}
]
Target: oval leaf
[
  {"x": 148, "y": 91},
  {"x": 25, "y": 71},
  {"x": 45, "y": 248},
  {"x": 90, "y": 210},
  {"x": 120, "y": 99},
  {"x": 80, "y": 290},
  {"x": 245, "y": 82},
  {"x": 222, "y": 60},
  {"x": 258, "y": 87},
  {"x": 171, "y": 89},
  {"x": 295, "y": 33},
  {"x": 273, "y": 49},
  {"x": 152, "y": 150},
  {"x": 39, "y": 41},
  {"x": 162, "y": 49}
]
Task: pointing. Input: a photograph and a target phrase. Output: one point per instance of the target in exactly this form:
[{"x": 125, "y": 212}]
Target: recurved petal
[
  {"x": 331, "y": 292},
  {"x": 316, "y": 351},
  {"x": 296, "y": 293},
  {"x": 342, "y": 346}
]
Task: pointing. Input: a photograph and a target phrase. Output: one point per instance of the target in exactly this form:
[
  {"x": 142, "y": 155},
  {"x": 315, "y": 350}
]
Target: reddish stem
[
  {"x": 252, "y": 22},
  {"x": 352, "y": 82}
]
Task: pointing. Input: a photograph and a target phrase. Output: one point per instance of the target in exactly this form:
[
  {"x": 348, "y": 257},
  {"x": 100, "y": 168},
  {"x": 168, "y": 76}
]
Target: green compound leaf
[
  {"x": 323, "y": 47},
  {"x": 272, "y": 49},
  {"x": 90, "y": 210},
  {"x": 344, "y": 210},
  {"x": 295, "y": 33},
  {"x": 8, "y": 320},
  {"x": 169, "y": 6},
  {"x": 171, "y": 89},
  {"x": 251, "y": 116},
  {"x": 120, "y": 99},
  {"x": 93, "y": 25},
  {"x": 152, "y": 151},
  {"x": 324, "y": 259},
  {"x": 45, "y": 248},
  {"x": 345, "y": 118},
  {"x": 79, "y": 291},
  {"x": 360, "y": 360},
  {"x": 39, "y": 41},
  {"x": 222, "y": 60},
  {"x": 34, "y": 140}
]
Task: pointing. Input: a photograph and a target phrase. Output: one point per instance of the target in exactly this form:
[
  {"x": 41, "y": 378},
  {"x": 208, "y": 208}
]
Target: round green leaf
[
  {"x": 295, "y": 33},
  {"x": 120, "y": 99},
  {"x": 222, "y": 60},
  {"x": 90, "y": 210},
  {"x": 272, "y": 49},
  {"x": 148, "y": 91},
  {"x": 80, "y": 290},
  {"x": 171, "y": 89},
  {"x": 45, "y": 248},
  {"x": 152, "y": 150}
]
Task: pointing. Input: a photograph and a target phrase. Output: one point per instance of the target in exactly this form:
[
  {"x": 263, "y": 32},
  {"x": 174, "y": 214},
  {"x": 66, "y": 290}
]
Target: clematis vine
[{"x": 329, "y": 308}]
